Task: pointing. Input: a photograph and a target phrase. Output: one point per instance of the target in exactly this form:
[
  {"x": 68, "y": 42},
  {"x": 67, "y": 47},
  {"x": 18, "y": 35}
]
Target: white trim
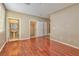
[
  {"x": 66, "y": 44},
  {"x": 19, "y": 39},
  {"x": 8, "y": 25},
  {"x": 25, "y": 38},
  {"x": 46, "y": 34},
  {"x": 13, "y": 39},
  {"x": 37, "y": 36},
  {"x": 3, "y": 46},
  {"x": 32, "y": 36}
]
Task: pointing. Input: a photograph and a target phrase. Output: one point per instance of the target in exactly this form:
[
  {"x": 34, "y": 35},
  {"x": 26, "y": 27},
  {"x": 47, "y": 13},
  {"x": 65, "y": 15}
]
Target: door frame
[
  {"x": 7, "y": 29},
  {"x": 29, "y": 28}
]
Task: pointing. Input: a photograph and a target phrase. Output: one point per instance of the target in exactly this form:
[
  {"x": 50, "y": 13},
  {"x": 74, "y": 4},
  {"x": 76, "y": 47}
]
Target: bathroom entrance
[{"x": 13, "y": 29}]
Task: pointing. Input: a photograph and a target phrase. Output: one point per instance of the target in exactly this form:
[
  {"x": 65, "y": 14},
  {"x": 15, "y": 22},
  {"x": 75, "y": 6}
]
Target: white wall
[
  {"x": 65, "y": 25},
  {"x": 40, "y": 29},
  {"x": 46, "y": 28},
  {"x": 25, "y": 22},
  {"x": 2, "y": 25}
]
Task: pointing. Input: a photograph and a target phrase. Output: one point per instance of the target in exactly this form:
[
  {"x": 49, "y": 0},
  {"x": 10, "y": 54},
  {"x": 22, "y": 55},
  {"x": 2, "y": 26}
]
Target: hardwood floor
[{"x": 42, "y": 46}]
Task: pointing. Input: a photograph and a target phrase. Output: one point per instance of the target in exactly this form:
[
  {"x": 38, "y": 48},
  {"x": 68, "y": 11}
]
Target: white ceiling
[{"x": 37, "y": 9}]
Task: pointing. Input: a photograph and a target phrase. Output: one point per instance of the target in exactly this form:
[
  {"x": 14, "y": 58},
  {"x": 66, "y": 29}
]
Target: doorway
[
  {"x": 37, "y": 29},
  {"x": 13, "y": 29},
  {"x": 32, "y": 29}
]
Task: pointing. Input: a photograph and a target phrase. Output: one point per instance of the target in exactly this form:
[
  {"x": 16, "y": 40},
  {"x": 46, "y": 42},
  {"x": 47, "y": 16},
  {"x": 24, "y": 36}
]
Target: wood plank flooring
[{"x": 42, "y": 46}]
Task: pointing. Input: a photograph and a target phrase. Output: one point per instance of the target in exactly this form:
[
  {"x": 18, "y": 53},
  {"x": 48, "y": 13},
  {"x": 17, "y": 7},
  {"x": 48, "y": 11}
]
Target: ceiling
[{"x": 37, "y": 9}]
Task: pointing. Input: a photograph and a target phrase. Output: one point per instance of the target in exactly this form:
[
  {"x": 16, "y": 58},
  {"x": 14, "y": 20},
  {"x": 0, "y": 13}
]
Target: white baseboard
[
  {"x": 25, "y": 38},
  {"x": 66, "y": 44},
  {"x": 33, "y": 37},
  {"x": 37, "y": 36},
  {"x": 12, "y": 40},
  {"x": 18, "y": 39},
  {"x": 3, "y": 46}
]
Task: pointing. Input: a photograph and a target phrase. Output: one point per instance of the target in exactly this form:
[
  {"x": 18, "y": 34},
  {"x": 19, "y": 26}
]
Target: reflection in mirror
[{"x": 14, "y": 26}]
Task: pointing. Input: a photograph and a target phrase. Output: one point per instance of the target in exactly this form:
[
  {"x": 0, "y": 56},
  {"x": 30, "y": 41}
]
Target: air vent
[
  {"x": 28, "y": 3},
  {"x": 34, "y": 4}
]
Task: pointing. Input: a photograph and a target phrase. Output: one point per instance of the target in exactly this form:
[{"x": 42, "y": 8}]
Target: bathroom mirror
[{"x": 14, "y": 26}]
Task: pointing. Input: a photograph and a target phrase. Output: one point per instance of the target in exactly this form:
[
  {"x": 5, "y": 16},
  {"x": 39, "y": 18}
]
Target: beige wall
[
  {"x": 2, "y": 25},
  {"x": 24, "y": 22},
  {"x": 65, "y": 25}
]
